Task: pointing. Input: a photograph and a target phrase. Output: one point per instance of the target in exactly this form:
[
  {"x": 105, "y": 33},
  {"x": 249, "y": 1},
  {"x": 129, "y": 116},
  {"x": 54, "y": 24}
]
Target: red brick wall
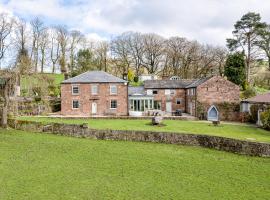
[
  {"x": 102, "y": 99},
  {"x": 218, "y": 90},
  {"x": 179, "y": 94}
]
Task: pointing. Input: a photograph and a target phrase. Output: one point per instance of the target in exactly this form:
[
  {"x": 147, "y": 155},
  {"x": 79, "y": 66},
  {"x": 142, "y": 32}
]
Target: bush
[
  {"x": 249, "y": 92},
  {"x": 265, "y": 118},
  {"x": 136, "y": 79},
  {"x": 254, "y": 113}
]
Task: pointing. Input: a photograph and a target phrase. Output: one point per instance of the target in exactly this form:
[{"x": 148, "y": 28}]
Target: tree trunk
[
  {"x": 248, "y": 60},
  {"x": 5, "y": 108}
]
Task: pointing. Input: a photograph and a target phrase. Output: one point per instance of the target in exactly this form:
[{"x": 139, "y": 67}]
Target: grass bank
[{"x": 41, "y": 166}]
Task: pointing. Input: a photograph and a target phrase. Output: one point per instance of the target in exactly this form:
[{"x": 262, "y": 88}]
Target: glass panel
[{"x": 142, "y": 105}]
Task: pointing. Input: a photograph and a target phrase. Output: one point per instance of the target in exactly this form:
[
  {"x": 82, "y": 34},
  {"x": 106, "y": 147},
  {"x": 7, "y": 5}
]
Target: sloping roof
[
  {"x": 262, "y": 98},
  {"x": 170, "y": 84},
  {"x": 173, "y": 84},
  {"x": 198, "y": 82},
  {"x": 136, "y": 90},
  {"x": 95, "y": 77}
]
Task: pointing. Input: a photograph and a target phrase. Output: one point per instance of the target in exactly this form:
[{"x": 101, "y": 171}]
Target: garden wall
[{"x": 214, "y": 142}]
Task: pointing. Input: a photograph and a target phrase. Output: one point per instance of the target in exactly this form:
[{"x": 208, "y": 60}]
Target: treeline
[{"x": 35, "y": 47}]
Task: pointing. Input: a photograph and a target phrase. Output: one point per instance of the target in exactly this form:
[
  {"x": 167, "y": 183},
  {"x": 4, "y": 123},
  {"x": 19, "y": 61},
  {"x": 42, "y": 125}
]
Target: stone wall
[{"x": 214, "y": 142}]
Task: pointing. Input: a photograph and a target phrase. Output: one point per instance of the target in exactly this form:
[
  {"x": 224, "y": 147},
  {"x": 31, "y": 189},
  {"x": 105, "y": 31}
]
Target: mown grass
[
  {"x": 238, "y": 131},
  {"x": 41, "y": 166}
]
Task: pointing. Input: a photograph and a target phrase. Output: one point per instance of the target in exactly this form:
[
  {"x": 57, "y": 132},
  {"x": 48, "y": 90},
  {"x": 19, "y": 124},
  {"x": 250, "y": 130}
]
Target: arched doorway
[{"x": 212, "y": 114}]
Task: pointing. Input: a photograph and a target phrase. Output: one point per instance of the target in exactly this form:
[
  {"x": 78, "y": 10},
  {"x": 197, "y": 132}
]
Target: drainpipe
[
  {"x": 196, "y": 102},
  {"x": 127, "y": 99}
]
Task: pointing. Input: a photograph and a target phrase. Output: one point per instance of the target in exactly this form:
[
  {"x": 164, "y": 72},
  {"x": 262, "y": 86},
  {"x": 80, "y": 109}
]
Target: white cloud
[{"x": 209, "y": 21}]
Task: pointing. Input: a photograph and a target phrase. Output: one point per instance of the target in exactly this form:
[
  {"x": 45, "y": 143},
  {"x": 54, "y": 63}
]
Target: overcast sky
[{"x": 208, "y": 21}]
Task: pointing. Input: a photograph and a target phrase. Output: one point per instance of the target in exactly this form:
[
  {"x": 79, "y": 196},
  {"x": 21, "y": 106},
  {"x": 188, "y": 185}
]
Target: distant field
[
  {"x": 43, "y": 166},
  {"x": 238, "y": 131}
]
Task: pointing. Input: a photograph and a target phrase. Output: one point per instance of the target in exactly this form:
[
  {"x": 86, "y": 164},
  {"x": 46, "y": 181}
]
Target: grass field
[
  {"x": 238, "y": 131},
  {"x": 41, "y": 166}
]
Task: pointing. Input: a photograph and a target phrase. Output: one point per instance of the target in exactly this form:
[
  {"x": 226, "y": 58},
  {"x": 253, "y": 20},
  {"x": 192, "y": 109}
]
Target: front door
[
  {"x": 94, "y": 108},
  {"x": 168, "y": 107}
]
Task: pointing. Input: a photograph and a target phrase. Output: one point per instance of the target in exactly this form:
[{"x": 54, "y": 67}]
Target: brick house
[
  {"x": 94, "y": 93},
  {"x": 99, "y": 93},
  {"x": 189, "y": 96}
]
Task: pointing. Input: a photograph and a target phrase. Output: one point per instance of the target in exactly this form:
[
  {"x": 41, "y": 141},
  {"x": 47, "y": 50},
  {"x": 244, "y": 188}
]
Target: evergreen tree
[{"x": 235, "y": 69}]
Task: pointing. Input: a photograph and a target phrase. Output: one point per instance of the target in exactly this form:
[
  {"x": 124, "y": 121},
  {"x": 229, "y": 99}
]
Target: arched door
[{"x": 212, "y": 114}]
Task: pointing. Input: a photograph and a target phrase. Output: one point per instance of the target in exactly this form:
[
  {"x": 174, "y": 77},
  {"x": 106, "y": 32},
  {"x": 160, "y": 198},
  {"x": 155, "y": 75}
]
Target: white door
[
  {"x": 94, "y": 108},
  {"x": 169, "y": 107}
]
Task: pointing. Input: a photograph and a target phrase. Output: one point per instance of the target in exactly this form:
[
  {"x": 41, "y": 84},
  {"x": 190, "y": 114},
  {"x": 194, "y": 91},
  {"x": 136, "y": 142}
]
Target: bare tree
[
  {"x": 76, "y": 38},
  {"x": 37, "y": 29},
  {"x": 174, "y": 49},
  {"x": 153, "y": 58},
  {"x": 54, "y": 48},
  {"x": 6, "y": 25},
  {"x": 62, "y": 38},
  {"x": 102, "y": 51},
  {"x": 43, "y": 47},
  {"x": 136, "y": 46},
  {"x": 121, "y": 52}
]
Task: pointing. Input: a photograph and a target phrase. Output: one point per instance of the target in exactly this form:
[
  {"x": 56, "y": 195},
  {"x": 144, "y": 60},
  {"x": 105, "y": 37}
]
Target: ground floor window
[
  {"x": 113, "y": 104},
  {"x": 75, "y": 104},
  {"x": 140, "y": 104},
  {"x": 157, "y": 105}
]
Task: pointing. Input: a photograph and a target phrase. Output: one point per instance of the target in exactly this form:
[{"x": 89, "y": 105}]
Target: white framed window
[
  {"x": 149, "y": 92},
  {"x": 75, "y": 90},
  {"x": 167, "y": 92},
  {"x": 113, "y": 104},
  {"x": 113, "y": 89},
  {"x": 75, "y": 104},
  {"x": 94, "y": 89}
]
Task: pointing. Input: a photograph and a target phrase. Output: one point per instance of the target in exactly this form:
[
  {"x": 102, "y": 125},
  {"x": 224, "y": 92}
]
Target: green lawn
[
  {"x": 43, "y": 166},
  {"x": 239, "y": 131}
]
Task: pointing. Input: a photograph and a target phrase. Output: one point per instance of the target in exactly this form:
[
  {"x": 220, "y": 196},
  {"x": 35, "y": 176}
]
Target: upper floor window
[
  {"x": 149, "y": 92},
  {"x": 75, "y": 89},
  {"x": 169, "y": 92},
  {"x": 75, "y": 104},
  {"x": 178, "y": 101},
  {"x": 155, "y": 92},
  {"x": 94, "y": 89},
  {"x": 113, "y": 89}
]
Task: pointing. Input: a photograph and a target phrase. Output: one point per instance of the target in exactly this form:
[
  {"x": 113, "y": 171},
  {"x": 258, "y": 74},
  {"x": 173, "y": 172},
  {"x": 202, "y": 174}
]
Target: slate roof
[
  {"x": 262, "y": 98},
  {"x": 198, "y": 82},
  {"x": 174, "y": 84},
  {"x": 139, "y": 90},
  {"x": 95, "y": 77}
]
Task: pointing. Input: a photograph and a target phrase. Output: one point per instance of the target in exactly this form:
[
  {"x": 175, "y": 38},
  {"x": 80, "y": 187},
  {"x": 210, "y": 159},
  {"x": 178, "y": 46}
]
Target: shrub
[
  {"x": 254, "y": 113},
  {"x": 249, "y": 92},
  {"x": 136, "y": 79},
  {"x": 265, "y": 118}
]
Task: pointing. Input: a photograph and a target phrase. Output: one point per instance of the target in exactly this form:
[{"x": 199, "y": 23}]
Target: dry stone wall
[{"x": 213, "y": 142}]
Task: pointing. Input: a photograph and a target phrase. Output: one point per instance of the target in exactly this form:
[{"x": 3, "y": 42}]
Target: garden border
[{"x": 214, "y": 142}]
